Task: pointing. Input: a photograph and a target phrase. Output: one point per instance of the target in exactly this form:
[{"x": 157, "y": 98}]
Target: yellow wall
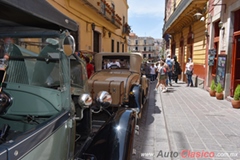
[
  {"x": 85, "y": 16},
  {"x": 199, "y": 44},
  {"x": 199, "y": 47}
]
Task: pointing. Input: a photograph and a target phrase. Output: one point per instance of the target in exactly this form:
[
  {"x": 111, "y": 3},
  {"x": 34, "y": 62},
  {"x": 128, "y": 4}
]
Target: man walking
[
  {"x": 152, "y": 72},
  {"x": 170, "y": 68}
]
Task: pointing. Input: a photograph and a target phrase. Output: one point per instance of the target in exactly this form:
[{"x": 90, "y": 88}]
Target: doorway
[
  {"x": 236, "y": 64},
  {"x": 96, "y": 42},
  {"x": 235, "y": 79},
  {"x": 181, "y": 57}
]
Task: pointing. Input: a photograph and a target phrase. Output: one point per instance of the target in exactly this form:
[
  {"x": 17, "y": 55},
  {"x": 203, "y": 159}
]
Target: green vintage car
[{"x": 45, "y": 104}]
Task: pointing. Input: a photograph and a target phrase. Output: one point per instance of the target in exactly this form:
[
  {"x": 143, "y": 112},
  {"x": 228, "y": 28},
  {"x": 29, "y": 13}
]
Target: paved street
[{"x": 186, "y": 123}]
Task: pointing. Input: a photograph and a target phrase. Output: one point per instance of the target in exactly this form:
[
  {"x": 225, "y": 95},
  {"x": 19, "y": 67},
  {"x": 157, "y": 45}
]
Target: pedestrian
[
  {"x": 89, "y": 66},
  {"x": 146, "y": 70},
  {"x": 176, "y": 69},
  {"x": 6, "y": 47},
  {"x": 166, "y": 66},
  {"x": 162, "y": 76},
  {"x": 152, "y": 72},
  {"x": 157, "y": 66},
  {"x": 169, "y": 62},
  {"x": 189, "y": 72}
]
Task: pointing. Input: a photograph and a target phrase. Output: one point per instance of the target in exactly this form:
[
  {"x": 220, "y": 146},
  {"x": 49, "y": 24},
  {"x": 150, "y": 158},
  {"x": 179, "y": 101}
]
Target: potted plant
[
  {"x": 212, "y": 89},
  {"x": 236, "y": 97},
  {"x": 219, "y": 91}
]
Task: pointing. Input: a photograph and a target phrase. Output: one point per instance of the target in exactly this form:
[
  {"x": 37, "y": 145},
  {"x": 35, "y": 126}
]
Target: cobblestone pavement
[{"x": 186, "y": 123}]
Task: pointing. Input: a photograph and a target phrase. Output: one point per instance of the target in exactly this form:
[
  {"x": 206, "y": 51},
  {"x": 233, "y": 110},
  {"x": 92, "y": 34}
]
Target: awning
[{"x": 34, "y": 13}]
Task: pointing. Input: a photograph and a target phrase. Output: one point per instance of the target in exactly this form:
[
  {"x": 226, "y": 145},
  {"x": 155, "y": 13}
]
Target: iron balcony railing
[{"x": 106, "y": 10}]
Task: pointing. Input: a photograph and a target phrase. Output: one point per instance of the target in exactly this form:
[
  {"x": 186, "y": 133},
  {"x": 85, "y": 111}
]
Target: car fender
[
  {"x": 114, "y": 140},
  {"x": 135, "y": 97},
  {"x": 145, "y": 85}
]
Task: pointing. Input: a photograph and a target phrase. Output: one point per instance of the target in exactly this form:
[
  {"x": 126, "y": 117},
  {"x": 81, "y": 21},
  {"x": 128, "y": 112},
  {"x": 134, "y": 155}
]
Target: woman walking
[
  {"x": 162, "y": 76},
  {"x": 189, "y": 72}
]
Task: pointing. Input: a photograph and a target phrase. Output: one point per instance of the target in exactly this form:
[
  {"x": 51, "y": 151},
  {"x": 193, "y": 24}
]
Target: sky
[{"x": 146, "y": 17}]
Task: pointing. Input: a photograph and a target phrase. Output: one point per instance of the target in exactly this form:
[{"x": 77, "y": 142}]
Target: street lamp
[
  {"x": 197, "y": 15},
  {"x": 220, "y": 25},
  {"x": 93, "y": 26},
  {"x": 206, "y": 33}
]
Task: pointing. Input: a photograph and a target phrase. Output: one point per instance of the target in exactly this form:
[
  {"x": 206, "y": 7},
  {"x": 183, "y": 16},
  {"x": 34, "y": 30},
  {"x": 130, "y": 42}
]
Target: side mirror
[{"x": 69, "y": 44}]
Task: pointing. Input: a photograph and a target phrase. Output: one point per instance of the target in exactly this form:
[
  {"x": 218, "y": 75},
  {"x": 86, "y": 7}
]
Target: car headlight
[
  {"x": 104, "y": 99},
  {"x": 85, "y": 100}
]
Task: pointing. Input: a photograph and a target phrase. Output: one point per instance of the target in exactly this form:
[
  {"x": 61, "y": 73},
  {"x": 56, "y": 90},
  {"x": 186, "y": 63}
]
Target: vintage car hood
[
  {"x": 115, "y": 75},
  {"x": 117, "y": 82}
]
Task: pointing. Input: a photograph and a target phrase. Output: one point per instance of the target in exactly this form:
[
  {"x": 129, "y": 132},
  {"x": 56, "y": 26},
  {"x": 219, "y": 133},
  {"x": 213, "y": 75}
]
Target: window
[
  {"x": 103, "y": 6},
  {"x": 123, "y": 20},
  {"x": 136, "y": 41},
  {"x": 113, "y": 14},
  {"x": 117, "y": 46},
  {"x": 122, "y": 47},
  {"x": 145, "y": 49},
  {"x": 145, "y": 41},
  {"x": 112, "y": 45},
  {"x": 136, "y": 48}
]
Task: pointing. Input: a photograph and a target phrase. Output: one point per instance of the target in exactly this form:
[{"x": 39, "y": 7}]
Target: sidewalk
[{"x": 186, "y": 123}]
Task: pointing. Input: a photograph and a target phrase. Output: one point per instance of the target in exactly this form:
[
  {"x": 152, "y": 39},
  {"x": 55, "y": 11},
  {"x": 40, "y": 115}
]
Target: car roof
[{"x": 15, "y": 15}]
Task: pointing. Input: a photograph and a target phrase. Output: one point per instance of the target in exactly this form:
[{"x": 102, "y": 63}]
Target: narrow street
[{"x": 186, "y": 123}]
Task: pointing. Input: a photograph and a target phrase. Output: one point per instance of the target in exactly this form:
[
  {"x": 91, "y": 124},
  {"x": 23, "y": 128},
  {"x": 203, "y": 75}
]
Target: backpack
[
  {"x": 177, "y": 68},
  {"x": 169, "y": 63},
  {"x": 163, "y": 71}
]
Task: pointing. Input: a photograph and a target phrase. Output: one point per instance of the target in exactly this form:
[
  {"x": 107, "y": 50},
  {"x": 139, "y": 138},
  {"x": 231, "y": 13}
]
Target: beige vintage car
[{"x": 120, "y": 75}]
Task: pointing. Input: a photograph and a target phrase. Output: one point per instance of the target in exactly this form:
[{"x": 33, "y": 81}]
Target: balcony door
[{"x": 96, "y": 42}]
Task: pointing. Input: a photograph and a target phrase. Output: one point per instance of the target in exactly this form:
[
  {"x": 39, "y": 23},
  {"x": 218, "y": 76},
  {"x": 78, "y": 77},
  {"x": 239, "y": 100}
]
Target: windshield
[
  {"x": 31, "y": 61},
  {"x": 35, "y": 61},
  {"x": 115, "y": 62}
]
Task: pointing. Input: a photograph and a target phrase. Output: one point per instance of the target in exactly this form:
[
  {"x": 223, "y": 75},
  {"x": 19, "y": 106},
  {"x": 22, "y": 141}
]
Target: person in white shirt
[
  {"x": 114, "y": 63},
  {"x": 189, "y": 72},
  {"x": 152, "y": 72}
]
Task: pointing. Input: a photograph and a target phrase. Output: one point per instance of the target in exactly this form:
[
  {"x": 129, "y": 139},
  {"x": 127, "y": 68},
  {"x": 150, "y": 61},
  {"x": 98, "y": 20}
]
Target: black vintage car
[{"x": 45, "y": 105}]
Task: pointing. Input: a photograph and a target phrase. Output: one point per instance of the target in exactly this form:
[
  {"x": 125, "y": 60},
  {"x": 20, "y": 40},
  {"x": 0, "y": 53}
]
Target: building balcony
[
  {"x": 184, "y": 15},
  {"x": 126, "y": 29},
  {"x": 105, "y": 9}
]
